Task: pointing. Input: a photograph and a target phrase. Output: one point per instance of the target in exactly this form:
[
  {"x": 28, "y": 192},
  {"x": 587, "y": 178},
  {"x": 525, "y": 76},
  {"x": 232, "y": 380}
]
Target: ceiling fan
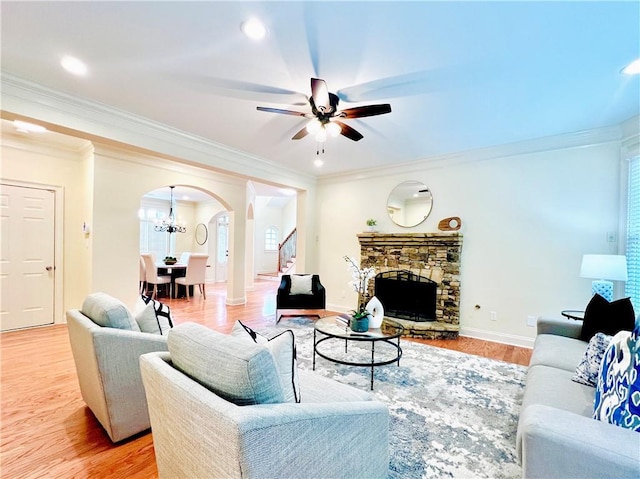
[{"x": 325, "y": 115}]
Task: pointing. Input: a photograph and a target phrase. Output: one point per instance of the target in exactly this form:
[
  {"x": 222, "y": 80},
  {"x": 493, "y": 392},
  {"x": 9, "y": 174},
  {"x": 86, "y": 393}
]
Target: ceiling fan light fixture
[
  {"x": 333, "y": 129},
  {"x": 314, "y": 126},
  {"x": 254, "y": 29},
  {"x": 321, "y": 135}
]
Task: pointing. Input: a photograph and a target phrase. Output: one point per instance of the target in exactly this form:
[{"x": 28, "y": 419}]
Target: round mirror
[
  {"x": 202, "y": 234},
  {"x": 409, "y": 204}
]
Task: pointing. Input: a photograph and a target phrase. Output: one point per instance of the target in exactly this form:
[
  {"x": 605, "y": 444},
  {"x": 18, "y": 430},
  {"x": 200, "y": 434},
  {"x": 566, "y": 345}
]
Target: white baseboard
[
  {"x": 503, "y": 338},
  {"x": 236, "y": 301}
]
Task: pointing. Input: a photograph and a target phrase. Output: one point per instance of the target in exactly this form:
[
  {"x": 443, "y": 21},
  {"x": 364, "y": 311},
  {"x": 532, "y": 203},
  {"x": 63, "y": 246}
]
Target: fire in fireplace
[{"x": 406, "y": 295}]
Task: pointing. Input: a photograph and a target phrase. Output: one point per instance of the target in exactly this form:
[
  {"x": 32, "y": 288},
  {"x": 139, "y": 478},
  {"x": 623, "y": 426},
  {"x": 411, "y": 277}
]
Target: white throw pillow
[
  {"x": 152, "y": 316},
  {"x": 145, "y": 316},
  {"x": 283, "y": 349},
  {"x": 301, "y": 284}
]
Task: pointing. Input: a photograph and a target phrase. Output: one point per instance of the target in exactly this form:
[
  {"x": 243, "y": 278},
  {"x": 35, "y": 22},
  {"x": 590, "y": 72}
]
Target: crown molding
[
  {"x": 46, "y": 145},
  {"x": 570, "y": 140},
  {"x": 631, "y": 137},
  {"x": 101, "y": 123}
]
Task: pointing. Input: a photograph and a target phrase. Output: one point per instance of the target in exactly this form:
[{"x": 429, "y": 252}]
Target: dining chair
[
  {"x": 143, "y": 277},
  {"x": 151, "y": 274},
  {"x": 184, "y": 258},
  {"x": 196, "y": 272}
]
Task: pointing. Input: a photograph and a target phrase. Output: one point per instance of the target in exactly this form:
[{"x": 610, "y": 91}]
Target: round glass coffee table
[{"x": 330, "y": 328}]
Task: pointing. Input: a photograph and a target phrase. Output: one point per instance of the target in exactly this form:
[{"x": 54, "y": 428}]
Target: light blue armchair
[{"x": 337, "y": 431}]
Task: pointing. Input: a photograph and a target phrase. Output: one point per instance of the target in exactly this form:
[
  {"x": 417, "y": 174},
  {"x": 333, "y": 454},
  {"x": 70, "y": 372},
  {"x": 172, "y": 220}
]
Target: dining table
[{"x": 175, "y": 270}]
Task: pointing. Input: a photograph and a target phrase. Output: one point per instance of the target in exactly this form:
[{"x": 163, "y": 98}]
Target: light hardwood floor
[{"x": 48, "y": 432}]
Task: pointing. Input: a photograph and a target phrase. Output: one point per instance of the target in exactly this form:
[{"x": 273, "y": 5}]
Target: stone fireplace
[
  {"x": 435, "y": 256},
  {"x": 406, "y": 295}
]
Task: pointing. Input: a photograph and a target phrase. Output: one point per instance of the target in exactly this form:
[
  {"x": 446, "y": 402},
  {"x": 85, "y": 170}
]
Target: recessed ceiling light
[
  {"x": 26, "y": 127},
  {"x": 632, "y": 68},
  {"x": 73, "y": 65},
  {"x": 318, "y": 162},
  {"x": 254, "y": 29}
]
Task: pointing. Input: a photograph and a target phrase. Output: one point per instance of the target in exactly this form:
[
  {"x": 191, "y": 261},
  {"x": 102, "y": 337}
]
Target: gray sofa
[
  {"x": 557, "y": 437},
  {"x": 336, "y": 431},
  {"x": 107, "y": 364}
]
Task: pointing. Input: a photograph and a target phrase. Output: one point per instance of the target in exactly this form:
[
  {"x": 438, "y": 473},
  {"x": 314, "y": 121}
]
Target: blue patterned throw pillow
[
  {"x": 587, "y": 370},
  {"x": 618, "y": 391}
]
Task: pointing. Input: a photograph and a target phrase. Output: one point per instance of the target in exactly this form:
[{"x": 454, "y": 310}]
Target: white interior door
[
  {"x": 26, "y": 257},
  {"x": 222, "y": 246}
]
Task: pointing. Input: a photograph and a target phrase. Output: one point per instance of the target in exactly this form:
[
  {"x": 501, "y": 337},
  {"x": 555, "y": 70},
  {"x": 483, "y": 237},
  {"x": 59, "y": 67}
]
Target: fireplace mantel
[
  {"x": 402, "y": 239},
  {"x": 434, "y": 255}
]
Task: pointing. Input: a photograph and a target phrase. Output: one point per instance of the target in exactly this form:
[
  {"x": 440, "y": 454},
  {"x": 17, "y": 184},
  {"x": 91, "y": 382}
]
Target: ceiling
[{"x": 458, "y": 75}]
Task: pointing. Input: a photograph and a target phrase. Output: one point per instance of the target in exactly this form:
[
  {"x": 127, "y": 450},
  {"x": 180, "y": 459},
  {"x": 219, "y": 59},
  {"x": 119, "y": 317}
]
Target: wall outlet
[
  {"x": 532, "y": 321},
  {"x": 493, "y": 316},
  {"x": 612, "y": 237}
]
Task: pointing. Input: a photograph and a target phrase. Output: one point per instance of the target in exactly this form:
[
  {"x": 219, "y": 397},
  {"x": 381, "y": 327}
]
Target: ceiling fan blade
[
  {"x": 278, "y": 110},
  {"x": 349, "y": 132},
  {"x": 320, "y": 94},
  {"x": 369, "y": 110},
  {"x": 301, "y": 134}
]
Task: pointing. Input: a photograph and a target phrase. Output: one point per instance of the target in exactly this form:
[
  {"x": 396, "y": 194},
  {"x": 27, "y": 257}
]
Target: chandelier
[{"x": 169, "y": 224}]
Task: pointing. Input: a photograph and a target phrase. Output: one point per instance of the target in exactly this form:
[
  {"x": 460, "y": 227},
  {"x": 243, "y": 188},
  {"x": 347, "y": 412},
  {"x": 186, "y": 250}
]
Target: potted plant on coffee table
[
  {"x": 360, "y": 282},
  {"x": 359, "y": 321}
]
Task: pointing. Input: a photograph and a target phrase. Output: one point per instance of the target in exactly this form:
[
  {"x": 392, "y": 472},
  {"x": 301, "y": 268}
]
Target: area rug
[{"x": 452, "y": 414}]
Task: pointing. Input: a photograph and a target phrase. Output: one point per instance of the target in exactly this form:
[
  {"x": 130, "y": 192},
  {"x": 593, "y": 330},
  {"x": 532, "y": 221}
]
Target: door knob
[{"x": 49, "y": 268}]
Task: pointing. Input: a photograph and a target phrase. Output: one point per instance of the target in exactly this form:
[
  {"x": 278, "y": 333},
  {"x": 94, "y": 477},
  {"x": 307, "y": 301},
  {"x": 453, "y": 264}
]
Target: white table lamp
[{"x": 604, "y": 268}]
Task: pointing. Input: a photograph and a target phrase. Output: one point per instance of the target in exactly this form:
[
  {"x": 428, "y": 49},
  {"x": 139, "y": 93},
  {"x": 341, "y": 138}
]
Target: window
[
  {"x": 271, "y": 239},
  {"x": 632, "y": 288},
  {"x": 152, "y": 241}
]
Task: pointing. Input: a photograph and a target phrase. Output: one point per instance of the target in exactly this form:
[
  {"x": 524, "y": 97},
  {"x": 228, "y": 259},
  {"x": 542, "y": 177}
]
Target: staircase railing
[{"x": 287, "y": 249}]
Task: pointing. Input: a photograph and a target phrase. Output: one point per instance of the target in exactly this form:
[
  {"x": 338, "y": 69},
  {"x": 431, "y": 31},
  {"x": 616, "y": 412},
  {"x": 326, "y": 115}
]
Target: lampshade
[
  {"x": 333, "y": 129},
  {"x": 604, "y": 266}
]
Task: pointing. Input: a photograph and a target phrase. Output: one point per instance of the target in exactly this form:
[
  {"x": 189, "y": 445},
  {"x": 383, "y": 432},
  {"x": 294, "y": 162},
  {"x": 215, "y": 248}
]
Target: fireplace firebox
[{"x": 406, "y": 295}]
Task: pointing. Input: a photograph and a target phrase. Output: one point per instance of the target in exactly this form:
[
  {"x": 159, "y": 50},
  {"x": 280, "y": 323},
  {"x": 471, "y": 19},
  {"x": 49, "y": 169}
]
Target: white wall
[
  {"x": 115, "y": 253},
  {"x": 28, "y": 161},
  {"x": 266, "y": 216},
  {"x": 527, "y": 220},
  {"x": 104, "y": 189},
  {"x": 289, "y": 218}
]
